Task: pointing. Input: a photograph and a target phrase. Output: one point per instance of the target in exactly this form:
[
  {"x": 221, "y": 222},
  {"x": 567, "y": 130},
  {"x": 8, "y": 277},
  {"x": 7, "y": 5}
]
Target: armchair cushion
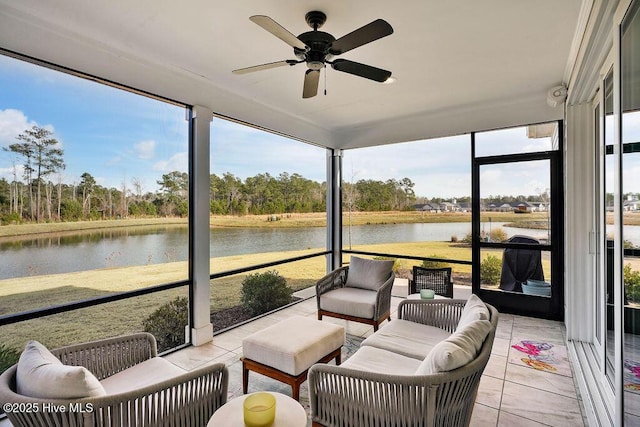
[
  {"x": 40, "y": 374},
  {"x": 474, "y": 309},
  {"x": 457, "y": 350},
  {"x": 351, "y": 301},
  {"x": 368, "y": 273}
]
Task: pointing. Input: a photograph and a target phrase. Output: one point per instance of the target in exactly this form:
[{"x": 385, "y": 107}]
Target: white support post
[
  {"x": 201, "y": 328},
  {"x": 334, "y": 208}
]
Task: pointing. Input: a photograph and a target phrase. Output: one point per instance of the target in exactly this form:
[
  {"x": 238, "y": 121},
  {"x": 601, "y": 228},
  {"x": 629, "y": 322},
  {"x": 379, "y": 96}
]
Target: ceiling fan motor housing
[{"x": 318, "y": 43}]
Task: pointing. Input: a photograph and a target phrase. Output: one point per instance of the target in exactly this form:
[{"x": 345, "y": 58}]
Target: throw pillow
[
  {"x": 457, "y": 350},
  {"x": 40, "y": 374},
  {"x": 368, "y": 273},
  {"x": 474, "y": 309}
]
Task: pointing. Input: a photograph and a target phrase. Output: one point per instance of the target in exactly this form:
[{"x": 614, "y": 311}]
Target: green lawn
[{"x": 28, "y": 293}]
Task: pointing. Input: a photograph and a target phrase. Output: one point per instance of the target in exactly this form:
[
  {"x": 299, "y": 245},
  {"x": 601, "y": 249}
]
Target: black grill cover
[{"x": 518, "y": 265}]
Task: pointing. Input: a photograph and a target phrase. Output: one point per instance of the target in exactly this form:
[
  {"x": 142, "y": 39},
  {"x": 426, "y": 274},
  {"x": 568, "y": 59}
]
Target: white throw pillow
[
  {"x": 368, "y": 273},
  {"x": 474, "y": 309},
  {"x": 457, "y": 350},
  {"x": 40, "y": 374}
]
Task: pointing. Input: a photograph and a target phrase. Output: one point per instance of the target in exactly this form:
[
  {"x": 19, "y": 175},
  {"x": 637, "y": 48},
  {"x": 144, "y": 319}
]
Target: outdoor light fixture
[{"x": 556, "y": 95}]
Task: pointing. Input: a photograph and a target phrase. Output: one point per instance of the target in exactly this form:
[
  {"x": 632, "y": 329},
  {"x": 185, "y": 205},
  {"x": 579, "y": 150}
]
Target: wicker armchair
[
  {"x": 346, "y": 397},
  {"x": 378, "y": 301},
  {"x": 437, "y": 279},
  {"x": 189, "y": 399}
]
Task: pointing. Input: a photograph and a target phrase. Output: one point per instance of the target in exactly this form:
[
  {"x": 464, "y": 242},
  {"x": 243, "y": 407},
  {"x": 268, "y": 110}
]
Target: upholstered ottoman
[{"x": 286, "y": 350}]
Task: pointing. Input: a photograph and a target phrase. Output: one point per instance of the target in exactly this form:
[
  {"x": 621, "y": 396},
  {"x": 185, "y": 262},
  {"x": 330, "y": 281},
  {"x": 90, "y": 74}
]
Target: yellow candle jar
[{"x": 259, "y": 410}]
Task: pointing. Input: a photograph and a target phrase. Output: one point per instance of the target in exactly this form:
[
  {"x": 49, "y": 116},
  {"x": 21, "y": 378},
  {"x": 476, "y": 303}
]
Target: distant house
[
  {"x": 523, "y": 207},
  {"x": 426, "y": 207},
  {"x": 505, "y": 207},
  {"x": 464, "y": 206},
  {"x": 540, "y": 207},
  {"x": 448, "y": 207},
  {"x": 631, "y": 205}
]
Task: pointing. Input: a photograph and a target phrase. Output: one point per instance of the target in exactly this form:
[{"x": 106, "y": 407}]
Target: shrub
[
  {"x": 167, "y": 323},
  {"x": 434, "y": 264},
  {"x": 454, "y": 239},
  {"x": 10, "y": 218},
  {"x": 498, "y": 235},
  {"x": 631, "y": 283},
  {"x": 8, "y": 357},
  {"x": 262, "y": 292},
  {"x": 490, "y": 270},
  {"x": 468, "y": 238}
]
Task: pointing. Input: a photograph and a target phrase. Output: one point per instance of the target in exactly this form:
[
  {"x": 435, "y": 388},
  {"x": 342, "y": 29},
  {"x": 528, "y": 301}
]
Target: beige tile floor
[{"x": 509, "y": 394}]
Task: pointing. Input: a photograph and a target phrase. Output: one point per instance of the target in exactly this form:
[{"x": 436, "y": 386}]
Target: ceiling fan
[{"x": 318, "y": 48}]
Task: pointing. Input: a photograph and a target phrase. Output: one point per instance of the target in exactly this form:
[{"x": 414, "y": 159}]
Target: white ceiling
[{"x": 460, "y": 65}]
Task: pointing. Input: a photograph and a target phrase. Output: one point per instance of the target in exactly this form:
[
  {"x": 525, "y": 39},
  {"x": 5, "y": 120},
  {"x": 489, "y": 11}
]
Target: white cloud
[
  {"x": 12, "y": 124},
  {"x": 145, "y": 149},
  {"x": 177, "y": 162}
]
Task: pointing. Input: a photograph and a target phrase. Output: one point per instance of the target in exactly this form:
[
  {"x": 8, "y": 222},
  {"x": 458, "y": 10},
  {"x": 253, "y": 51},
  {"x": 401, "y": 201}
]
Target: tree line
[{"x": 38, "y": 193}]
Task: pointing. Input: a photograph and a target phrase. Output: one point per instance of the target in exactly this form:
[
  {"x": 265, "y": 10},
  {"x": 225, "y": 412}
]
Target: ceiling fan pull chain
[{"x": 325, "y": 79}]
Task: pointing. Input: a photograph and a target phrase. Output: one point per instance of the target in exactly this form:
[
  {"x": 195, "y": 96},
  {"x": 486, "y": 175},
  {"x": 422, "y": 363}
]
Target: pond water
[{"x": 152, "y": 245}]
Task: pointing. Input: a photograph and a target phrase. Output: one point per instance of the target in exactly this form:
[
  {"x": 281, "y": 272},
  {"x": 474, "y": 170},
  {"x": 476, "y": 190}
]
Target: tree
[
  {"x": 87, "y": 184},
  {"x": 174, "y": 187},
  {"x": 42, "y": 155}
]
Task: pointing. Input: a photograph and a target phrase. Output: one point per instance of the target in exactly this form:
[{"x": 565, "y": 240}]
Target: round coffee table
[
  {"x": 417, "y": 296},
  {"x": 289, "y": 413}
]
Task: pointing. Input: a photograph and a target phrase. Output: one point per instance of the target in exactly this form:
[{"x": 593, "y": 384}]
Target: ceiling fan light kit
[{"x": 317, "y": 48}]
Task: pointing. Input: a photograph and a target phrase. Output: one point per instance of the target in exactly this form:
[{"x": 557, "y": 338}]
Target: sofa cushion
[
  {"x": 352, "y": 301},
  {"x": 457, "y": 350},
  {"x": 151, "y": 371},
  {"x": 368, "y": 273},
  {"x": 40, "y": 374},
  {"x": 474, "y": 309},
  {"x": 407, "y": 338},
  {"x": 372, "y": 359}
]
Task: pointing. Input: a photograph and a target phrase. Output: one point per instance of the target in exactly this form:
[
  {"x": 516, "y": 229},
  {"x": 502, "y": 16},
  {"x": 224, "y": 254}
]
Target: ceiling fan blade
[
  {"x": 262, "y": 67},
  {"x": 362, "y": 70},
  {"x": 363, "y": 35},
  {"x": 311, "y": 80},
  {"x": 278, "y": 30}
]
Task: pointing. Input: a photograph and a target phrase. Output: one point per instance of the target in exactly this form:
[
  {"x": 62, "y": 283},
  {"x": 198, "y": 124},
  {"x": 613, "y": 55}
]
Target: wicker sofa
[
  {"x": 402, "y": 375},
  {"x": 130, "y": 386}
]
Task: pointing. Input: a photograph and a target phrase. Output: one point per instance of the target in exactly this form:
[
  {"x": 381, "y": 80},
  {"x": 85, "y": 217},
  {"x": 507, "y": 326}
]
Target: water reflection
[{"x": 122, "y": 247}]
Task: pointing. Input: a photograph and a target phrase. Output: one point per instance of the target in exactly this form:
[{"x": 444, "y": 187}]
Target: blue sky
[{"x": 117, "y": 137}]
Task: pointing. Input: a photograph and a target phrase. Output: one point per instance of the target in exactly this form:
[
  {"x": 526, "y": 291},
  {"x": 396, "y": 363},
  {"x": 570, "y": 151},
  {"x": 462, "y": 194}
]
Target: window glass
[
  {"x": 412, "y": 199},
  {"x": 523, "y": 139},
  {"x": 267, "y": 203},
  {"x": 267, "y": 194},
  {"x": 609, "y": 234},
  {"x": 163, "y": 314},
  {"x": 630, "y": 191},
  {"x": 93, "y": 189}
]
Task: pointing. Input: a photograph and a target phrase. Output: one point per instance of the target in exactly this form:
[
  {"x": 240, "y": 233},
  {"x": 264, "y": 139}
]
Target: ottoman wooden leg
[
  {"x": 295, "y": 391},
  {"x": 245, "y": 377}
]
